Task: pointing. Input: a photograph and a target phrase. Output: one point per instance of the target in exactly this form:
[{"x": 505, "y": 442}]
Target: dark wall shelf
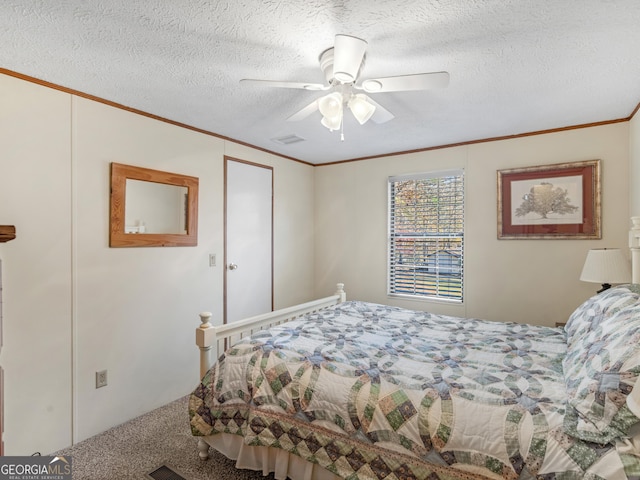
[{"x": 7, "y": 233}]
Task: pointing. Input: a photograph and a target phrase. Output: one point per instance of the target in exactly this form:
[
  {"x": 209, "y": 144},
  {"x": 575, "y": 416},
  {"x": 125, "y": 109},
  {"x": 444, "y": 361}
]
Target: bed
[{"x": 356, "y": 390}]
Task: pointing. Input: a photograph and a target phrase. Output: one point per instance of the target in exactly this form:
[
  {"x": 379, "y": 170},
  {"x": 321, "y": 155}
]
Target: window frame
[{"x": 392, "y": 275}]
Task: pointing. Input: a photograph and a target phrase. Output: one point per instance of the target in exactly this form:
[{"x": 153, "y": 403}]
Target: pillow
[
  {"x": 584, "y": 321},
  {"x": 602, "y": 365}
]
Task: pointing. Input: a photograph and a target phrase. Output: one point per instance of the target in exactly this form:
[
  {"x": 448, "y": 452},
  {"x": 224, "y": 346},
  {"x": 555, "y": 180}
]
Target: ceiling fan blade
[
  {"x": 304, "y": 112},
  {"x": 348, "y": 53},
  {"x": 400, "y": 83},
  {"x": 381, "y": 114},
  {"x": 279, "y": 84}
]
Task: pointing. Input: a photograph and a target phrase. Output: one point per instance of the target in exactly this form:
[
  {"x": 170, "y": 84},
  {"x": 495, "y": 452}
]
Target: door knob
[{"x": 232, "y": 266}]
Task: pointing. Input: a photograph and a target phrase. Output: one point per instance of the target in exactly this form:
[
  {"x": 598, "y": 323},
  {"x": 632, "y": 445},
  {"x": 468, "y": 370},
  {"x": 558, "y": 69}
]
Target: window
[{"x": 426, "y": 235}]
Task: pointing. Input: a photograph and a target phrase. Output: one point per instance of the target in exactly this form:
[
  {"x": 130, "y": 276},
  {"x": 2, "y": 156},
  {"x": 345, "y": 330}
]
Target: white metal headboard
[{"x": 634, "y": 245}]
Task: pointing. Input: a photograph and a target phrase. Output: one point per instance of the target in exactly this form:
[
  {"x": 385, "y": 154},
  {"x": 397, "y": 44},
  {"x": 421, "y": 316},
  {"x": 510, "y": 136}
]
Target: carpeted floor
[{"x": 135, "y": 448}]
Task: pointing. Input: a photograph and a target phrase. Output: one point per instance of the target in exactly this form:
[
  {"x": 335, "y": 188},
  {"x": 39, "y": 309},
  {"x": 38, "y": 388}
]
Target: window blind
[{"x": 426, "y": 235}]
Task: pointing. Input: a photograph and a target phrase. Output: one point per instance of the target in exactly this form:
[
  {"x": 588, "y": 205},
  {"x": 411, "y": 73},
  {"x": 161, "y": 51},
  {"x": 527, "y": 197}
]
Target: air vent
[
  {"x": 288, "y": 139},
  {"x": 165, "y": 473}
]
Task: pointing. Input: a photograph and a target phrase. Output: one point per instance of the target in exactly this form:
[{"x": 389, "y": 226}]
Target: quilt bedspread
[{"x": 373, "y": 391}]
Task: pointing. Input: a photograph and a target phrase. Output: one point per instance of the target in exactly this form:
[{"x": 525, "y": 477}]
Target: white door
[{"x": 248, "y": 240}]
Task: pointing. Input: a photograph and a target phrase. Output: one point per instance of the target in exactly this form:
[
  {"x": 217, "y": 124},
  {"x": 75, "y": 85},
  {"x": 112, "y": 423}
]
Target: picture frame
[{"x": 557, "y": 201}]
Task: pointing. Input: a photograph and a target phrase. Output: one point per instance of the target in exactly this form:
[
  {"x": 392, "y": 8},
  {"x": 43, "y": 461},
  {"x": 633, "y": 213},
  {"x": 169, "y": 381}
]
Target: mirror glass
[
  {"x": 152, "y": 208},
  {"x": 155, "y": 208}
]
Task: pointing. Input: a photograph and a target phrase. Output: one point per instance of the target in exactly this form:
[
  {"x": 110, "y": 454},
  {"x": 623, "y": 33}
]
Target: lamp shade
[
  {"x": 330, "y": 106},
  {"x": 361, "y": 108},
  {"x": 606, "y": 265},
  {"x": 332, "y": 123}
]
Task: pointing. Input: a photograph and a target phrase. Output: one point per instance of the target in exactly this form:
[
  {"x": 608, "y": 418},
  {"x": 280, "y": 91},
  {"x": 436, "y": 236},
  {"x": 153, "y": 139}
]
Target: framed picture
[{"x": 560, "y": 201}]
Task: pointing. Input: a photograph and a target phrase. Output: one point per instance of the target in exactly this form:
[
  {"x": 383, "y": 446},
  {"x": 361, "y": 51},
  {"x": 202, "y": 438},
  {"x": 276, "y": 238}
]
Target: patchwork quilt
[{"x": 370, "y": 391}]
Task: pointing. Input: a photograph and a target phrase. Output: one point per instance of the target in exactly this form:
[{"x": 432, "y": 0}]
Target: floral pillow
[{"x": 602, "y": 365}]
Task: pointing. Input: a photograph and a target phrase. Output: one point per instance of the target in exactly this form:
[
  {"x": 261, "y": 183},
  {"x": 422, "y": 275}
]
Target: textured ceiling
[{"x": 515, "y": 66}]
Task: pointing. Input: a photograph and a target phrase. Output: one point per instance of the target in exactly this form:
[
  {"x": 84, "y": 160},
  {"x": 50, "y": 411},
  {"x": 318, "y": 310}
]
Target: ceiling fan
[{"x": 342, "y": 65}]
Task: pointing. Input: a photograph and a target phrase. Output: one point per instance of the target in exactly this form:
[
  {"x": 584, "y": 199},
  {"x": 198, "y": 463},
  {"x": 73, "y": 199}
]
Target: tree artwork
[{"x": 545, "y": 199}]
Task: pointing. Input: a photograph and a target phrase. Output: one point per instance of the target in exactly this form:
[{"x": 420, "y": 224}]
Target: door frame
[{"x": 228, "y": 159}]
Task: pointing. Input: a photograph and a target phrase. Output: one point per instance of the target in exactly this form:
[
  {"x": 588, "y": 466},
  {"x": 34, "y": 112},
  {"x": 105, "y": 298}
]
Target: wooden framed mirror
[{"x": 151, "y": 208}]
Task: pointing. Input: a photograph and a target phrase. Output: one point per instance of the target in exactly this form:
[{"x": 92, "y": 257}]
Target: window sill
[{"x": 414, "y": 298}]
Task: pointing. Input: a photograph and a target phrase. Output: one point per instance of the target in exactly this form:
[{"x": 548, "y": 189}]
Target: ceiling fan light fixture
[
  {"x": 361, "y": 108},
  {"x": 330, "y": 106},
  {"x": 342, "y": 65}
]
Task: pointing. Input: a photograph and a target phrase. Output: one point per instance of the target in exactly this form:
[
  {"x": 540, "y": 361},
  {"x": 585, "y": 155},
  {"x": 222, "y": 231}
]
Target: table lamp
[{"x": 605, "y": 266}]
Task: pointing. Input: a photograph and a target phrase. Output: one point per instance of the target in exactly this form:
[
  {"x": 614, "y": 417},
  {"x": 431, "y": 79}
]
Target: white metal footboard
[{"x": 210, "y": 339}]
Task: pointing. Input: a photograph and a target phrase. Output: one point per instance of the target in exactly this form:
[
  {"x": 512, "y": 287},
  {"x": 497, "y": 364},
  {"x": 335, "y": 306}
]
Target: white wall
[
  {"x": 534, "y": 281},
  {"x": 72, "y": 305},
  {"x": 133, "y": 306},
  {"x": 35, "y": 196}
]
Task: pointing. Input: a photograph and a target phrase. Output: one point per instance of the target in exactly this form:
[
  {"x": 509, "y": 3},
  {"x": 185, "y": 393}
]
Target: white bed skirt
[{"x": 283, "y": 464}]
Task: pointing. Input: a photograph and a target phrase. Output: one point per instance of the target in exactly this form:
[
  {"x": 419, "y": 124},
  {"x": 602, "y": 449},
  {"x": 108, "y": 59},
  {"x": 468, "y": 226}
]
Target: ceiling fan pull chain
[{"x": 342, "y": 130}]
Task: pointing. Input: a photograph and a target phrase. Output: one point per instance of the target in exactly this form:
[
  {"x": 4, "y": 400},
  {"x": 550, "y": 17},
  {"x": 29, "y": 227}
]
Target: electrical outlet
[{"x": 101, "y": 378}]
